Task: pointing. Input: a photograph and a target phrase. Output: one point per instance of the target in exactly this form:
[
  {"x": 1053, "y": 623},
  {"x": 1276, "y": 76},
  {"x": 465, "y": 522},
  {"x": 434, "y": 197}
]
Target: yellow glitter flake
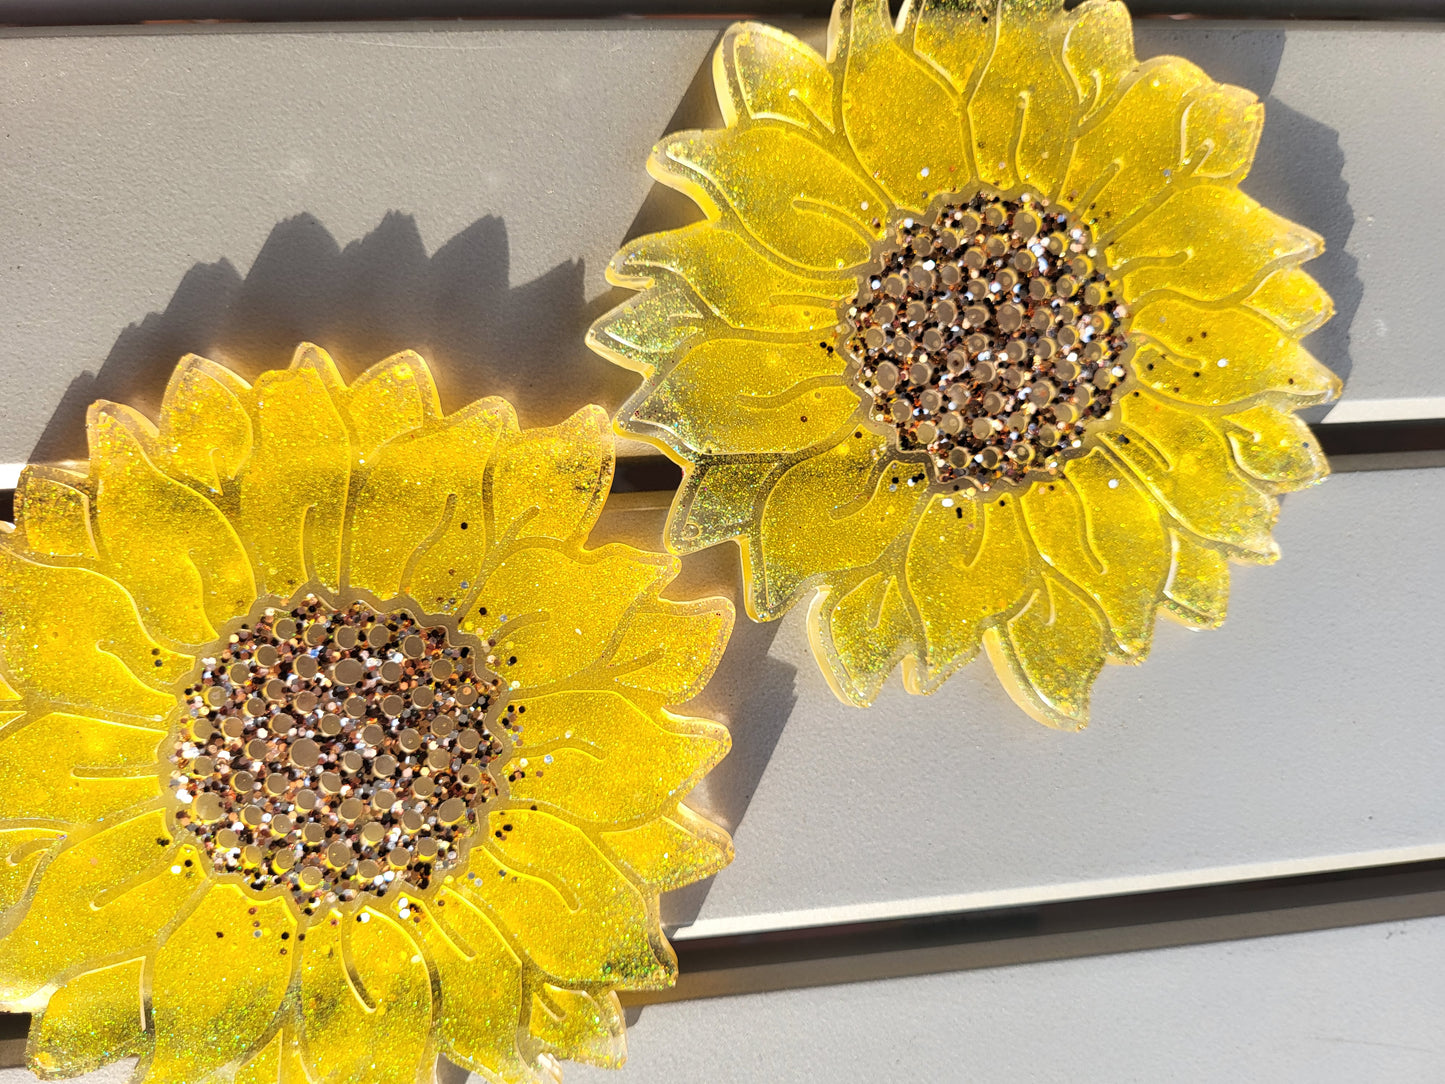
[
  {"x": 332, "y": 748},
  {"x": 979, "y": 344}
]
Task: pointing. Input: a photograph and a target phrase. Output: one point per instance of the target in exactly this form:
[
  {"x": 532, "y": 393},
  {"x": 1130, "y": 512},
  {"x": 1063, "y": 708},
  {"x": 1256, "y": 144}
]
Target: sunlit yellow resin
[
  {"x": 752, "y": 391},
  {"x": 118, "y": 929}
]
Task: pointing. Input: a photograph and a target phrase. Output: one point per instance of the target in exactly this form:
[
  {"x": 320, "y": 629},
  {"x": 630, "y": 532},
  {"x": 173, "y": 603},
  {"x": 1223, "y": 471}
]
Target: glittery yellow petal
[
  {"x": 669, "y": 652},
  {"x": 21, "y": 850},
  {"x": 764, "y": 73},
  {"x": 902, "y": 118},
  {"x": 1275, "y": 448},
  {"x": 716, "y": 501},
  {"x": 551, "y": 482},
  {"x": 73, "y": 770},
  {"x": 1215, "y": 356},
  {"x": 278, "y": 1062},
  {"x": 1172, "y": 127},
  {"x": 1098, "y": 52},
  {"x": 1293, "y": 300},
  {"x": 748, "y": 395},
  {"x": 1197, "y": 594},
  {"x": 1100, "y": 530},
  {"x": 73, "y": 638},
  {"x": 794, "y": 197},
  {"x": 603, "y": 758},
  {"x": 966, "y": 565},
  {"x": 205, "y": 428},
  {"x": 555, "y": 612},
  {"x": 855, "y": 504},
  {"x": 365, "y": 1001},
  {"x": 584, "y": 922},
  {"x": 1049, "y": 655},
  {"x": 1187, "y": 464},
  {"x": 1022, "y": 109},
  {"x": 392, "y": 397},
  {"x": 579, "y": 1026},
  {"x": 673, "y": 851},
  {"x": 480, "y": 979},
  {"x": 1210, "y": 243},
  {"x": 94, "y": 1019},
  {"x": 171, "y": 548},
  {"x": 861, "y": 634},
  {"x": 217, "y": 982},
  {"x": 52, "y": 513},
  {"x": 294, "y": 488},
  {"x": 744, "y": 287},
  {"x": 407, "y": 519},
  {"x": 105, "y": 896},
  {"x": 956, "y": 37},
  {"x": 644, "y": 332}
]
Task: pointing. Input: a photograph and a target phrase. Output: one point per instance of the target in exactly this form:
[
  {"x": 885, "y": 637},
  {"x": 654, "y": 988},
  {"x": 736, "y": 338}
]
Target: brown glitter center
[
  {"x": 988, "y": 334},
  {"x": 336, "y": 752}
]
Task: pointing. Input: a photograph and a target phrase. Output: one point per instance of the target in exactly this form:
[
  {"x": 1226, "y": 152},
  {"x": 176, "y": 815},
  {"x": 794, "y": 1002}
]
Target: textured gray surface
[
  {"x": 1298, "y": 736},
  {"x": 1353, "y": 1005},
  {"x": 232, "y": 190}
]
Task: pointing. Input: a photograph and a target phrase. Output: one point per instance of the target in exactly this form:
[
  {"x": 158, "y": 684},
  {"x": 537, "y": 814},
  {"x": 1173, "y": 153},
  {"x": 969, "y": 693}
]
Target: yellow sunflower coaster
[
  {"x": 979, "y": 343},
  {"x": 328, "y": 747}
]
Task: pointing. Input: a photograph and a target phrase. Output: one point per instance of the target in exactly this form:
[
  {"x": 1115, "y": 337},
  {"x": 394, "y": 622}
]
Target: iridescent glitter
[
  {"x": 988, "y": 333},
  {"x": 337, "y": 752}
]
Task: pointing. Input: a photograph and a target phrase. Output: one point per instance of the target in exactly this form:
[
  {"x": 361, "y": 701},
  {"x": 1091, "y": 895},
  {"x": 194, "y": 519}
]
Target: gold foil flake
[
  {"x": 325, "y": 827},
  {"x": 971, "y": 341}
]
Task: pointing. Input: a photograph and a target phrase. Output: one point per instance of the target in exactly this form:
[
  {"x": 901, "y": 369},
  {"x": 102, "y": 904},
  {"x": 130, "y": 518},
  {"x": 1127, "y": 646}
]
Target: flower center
[
  {"x": 988, "y": 334},
  {"x": 336, "y": 751}
]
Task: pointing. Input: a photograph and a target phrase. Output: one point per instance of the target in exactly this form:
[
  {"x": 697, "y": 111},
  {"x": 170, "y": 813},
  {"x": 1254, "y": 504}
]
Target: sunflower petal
[
  {"x": 1098, "y": 52},
  {"x": 235, "y": 941},
  {"x": 393, "y": 397},
  {"x": 1022, "y": 111},
  {"x": 1275, "y": 448},
  {"x": 205, "y": 430},
  {"x": 1293, "y": 300},
  {"x": 73, "y": 770},
  {"x": 957, "y": 38},
  {"x": 551, "y": 482},
  {"x": 174, "y": 551},
  {"x": 793, "y": 196},
  {"x": 580, "y": 1026},
  {"x": 1188, "y": 465},
  {"x": 480, "y": 980},
  {"x": 766, "y": 74},
  {"x": 102, "y": 897},
  {"x": 855, "y": 505},
  {"x": 1214, "y": 356},
  {"x": 744, "y": 288},
  {"x": 363, "y": 978},
  {"x": 671, "y": 652},
  {"x": 1172, "y": 126},
  {"x": 967, "y": 564},
  {"x": 716, "y": 502},
  {"x": 603, "y": 758},
  {"x": 749, "y": 395},
  {"x": 94, "y": 1019},
  {"x": 647, "y": 330},
  {"x": 1208, "y": 242},
  {"x": 1101, "y": 531},
  {"x": 558, "y": 613},
  {"x": 903, "y": 120},
  {"x": 294, "y": 487},
  {"x": 1049, "y": 654},
  {"x": 406, "y": 523},
  {"x": 671, "y": 852},
  {"x": 862, "y": 633},
  {"x": 1197, "y": 593},
  {"x": 73, "y": 638},
  {"x": 583, "y": 921},
  {"x": 52, "y": 513}
]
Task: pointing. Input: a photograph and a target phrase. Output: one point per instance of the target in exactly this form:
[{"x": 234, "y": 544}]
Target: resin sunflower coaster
[
  {"x": 328, "y": 747},
  {"x": 980, "y": 344}
]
